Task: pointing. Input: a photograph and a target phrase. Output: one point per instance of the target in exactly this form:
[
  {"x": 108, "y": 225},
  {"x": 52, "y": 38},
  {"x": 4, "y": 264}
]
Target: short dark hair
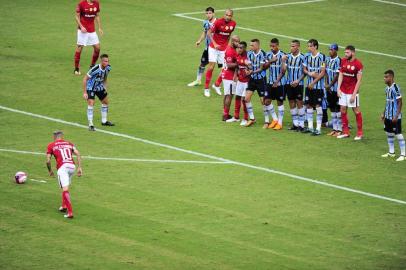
[
  {"x": 210, "y": 9},
  {"x": 58, "y": 133},
  {"x": 390, "y": 72},
  {"x": 296, "y": 41},
  {"x": 275, "y": 40},
  {"x": 350, "y": 47},
  {"x": 255, "y": 40},
  {"x": 314, "y": 42},
  {"x": 104, "y": 55},
  {"x": 243, "y": 43}
]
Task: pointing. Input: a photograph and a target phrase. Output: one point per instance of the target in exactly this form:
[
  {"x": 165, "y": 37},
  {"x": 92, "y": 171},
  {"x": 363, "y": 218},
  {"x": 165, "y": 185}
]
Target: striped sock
[
  {"x": 250, "y": 110},
  {"x": 334, "y": 120},
  {"x": 339, "y": 122},
  {"x": 281, "y": 111},
  {"x": 104, "y": 111},
  {"x": 295, "y": 121},
  {"x": 266, "y": 113},
  {"x": 301, "y": 117}
]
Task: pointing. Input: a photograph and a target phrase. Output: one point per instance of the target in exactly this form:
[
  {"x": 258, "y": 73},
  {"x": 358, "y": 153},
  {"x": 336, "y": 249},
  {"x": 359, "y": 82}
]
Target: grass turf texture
[{"x": 192, "y": 216}]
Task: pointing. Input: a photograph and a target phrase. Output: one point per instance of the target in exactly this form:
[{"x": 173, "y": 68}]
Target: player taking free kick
[{"x": 63, "y": 152}]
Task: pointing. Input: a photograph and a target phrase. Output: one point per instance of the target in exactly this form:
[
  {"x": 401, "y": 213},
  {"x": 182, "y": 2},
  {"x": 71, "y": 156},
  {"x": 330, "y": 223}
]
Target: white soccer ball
[{"x": 20, "y": 177}]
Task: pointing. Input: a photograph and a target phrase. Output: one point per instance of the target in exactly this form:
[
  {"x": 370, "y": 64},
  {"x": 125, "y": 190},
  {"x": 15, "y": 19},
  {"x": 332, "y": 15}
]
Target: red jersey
[
  {"x": 242, "y": 61},
  {"x": 350, "y": 69},
  {"x": 62, "y": 151},
  {"x": 88, "y": 12},
  {"x": 221, "y": 32},
  {"x": 229, "y": 57}
]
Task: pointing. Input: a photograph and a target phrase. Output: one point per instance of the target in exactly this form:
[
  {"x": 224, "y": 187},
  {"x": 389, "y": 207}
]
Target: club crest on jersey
[
  {"x": 226, "y": 27},
  {"x": 231, "y": 27},
  {"x": 352, "y": 68},
  {"x": 348, "y": 66}
]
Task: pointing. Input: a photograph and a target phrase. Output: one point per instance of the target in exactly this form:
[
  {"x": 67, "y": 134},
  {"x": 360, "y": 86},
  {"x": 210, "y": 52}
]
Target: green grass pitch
[{"x": 149, "y": 215}]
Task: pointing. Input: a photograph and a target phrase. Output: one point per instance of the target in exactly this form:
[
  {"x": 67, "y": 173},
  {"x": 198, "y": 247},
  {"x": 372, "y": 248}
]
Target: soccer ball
[{"x": 20, "y": 177}]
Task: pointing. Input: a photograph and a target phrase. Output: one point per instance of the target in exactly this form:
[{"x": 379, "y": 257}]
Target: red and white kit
[
  {"x": 349, "y": 70},
  {"x": 228, "y": 73},
  {"x": 221, "y": 30},
  {"x": 63, "y": 152},
  {"x": 243, "y": 78},
  {"x": 88, "y": 12}
]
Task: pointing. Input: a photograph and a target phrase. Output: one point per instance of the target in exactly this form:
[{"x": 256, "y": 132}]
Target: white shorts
[
  {"x": 241, "y": 88},
  {"x": 345, "y": 101},
  {"x": 87, "y": 39},
  {"x": 216, "y": 56},
  {"x": 229, "y": 87},
  {"x": 65, "y": 173}
]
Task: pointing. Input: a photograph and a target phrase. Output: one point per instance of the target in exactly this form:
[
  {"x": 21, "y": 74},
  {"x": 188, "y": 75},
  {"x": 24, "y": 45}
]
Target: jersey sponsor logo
[
  {"x": 348, "y": 74},
  {"x": 224, "y": 33}
]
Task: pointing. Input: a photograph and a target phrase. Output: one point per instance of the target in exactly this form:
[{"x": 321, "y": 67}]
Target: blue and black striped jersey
[
  {"x": 392, "y": 95},
  {"x": 315, "y": 64},
  {"x": 332, "y": 68},
  {"x": 294, "y": 68},
  {"x": 257, "y": 59},
  {"x": 276, "y": 67},
  {"x": 97, "y": 76},
  {"x": 206, "y": 26}
]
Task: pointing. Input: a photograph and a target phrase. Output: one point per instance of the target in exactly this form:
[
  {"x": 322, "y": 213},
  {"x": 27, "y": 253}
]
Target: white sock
[
  {"x": 391, "y": 142},
  {"x": 250, "y": 110},
  {"x": 200, "y": 71},
  {"x": 301, "y": 117},
  {"x": 319, "y": 118},
  {"x": 334, "y": 120},
  {"x": 309, "y": 118},
  {"x": 281, "y": 110},
  {"x": 339, "y": 122},
  {"x": 401, "y": 141},
  {"x": 104, "y": 111},
  {"x": 266, "y": 113},
  {"x": 272, "y": 112},
  {"x": 90, "y": 115},
  {"x": 295, "y": 120}
]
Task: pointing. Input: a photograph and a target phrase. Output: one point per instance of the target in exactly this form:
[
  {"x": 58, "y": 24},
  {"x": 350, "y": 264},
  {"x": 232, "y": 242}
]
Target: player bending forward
[
  {"x": 95, "y": 84},
  {"x": 392, "y": 116},
  {"x": 63, "y": 152}
]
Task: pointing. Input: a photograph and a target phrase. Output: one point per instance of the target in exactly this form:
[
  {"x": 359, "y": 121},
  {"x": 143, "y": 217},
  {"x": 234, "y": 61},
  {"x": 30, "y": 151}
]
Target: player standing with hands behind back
[
  {"x": 392, "y": 116},
  {"x": 87, "y": 11}
]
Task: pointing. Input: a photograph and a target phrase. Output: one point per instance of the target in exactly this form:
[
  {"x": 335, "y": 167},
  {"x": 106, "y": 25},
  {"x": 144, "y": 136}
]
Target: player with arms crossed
[
  {"x": 87, "y": 11},
  {"x": 349, "y": 82},
  {"x": 63, "y": 152},
  {"x": 257, "y": 81},
  {"x": 392, "y": 116},
  {"x": 229, "y": 75},
  {"x": 244, "y": 66},
  {"x": 95, "y": 84},
  {"x": 315, "y": 69},
  {"x": 276, "y": 82},
  {"x": 294, "y": 85},
  {"x": 204, "y": 60},
  {"x": 219, "y": 36},
  {"x": 333, "y": 63}
]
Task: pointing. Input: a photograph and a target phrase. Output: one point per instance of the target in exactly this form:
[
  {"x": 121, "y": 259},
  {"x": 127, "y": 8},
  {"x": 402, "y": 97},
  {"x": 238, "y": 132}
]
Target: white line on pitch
[
  {"x": 39, "y": 181},
  {"x": 256, "y": 7},
  {"x": 293, "y": 176},
  {"x": 291, "y": 37},
  {"x": 390, "y": 3},
  {"x": 125, "y": 159}
]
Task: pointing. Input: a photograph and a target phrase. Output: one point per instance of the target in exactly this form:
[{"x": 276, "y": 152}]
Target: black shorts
[
  {"x": 100, "y": 94},
  {"x": 294, "y": 93},
  {"x": 204, "y": 60},
  {"x": 258, "y": 85},
  {"x": 390, "y": 127},
  {"x": 276, "y": 93},
  {"x": 313, "y": 97},
  {"x": 332, "y": 100}
]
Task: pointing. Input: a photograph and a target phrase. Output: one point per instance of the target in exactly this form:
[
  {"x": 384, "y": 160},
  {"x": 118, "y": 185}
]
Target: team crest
[
  {"x": 231, "y": 27},
  {"x": 348, "y": 66},
  {"x": 226, "y": 27},
  {"x": 352, "y": 67}
]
